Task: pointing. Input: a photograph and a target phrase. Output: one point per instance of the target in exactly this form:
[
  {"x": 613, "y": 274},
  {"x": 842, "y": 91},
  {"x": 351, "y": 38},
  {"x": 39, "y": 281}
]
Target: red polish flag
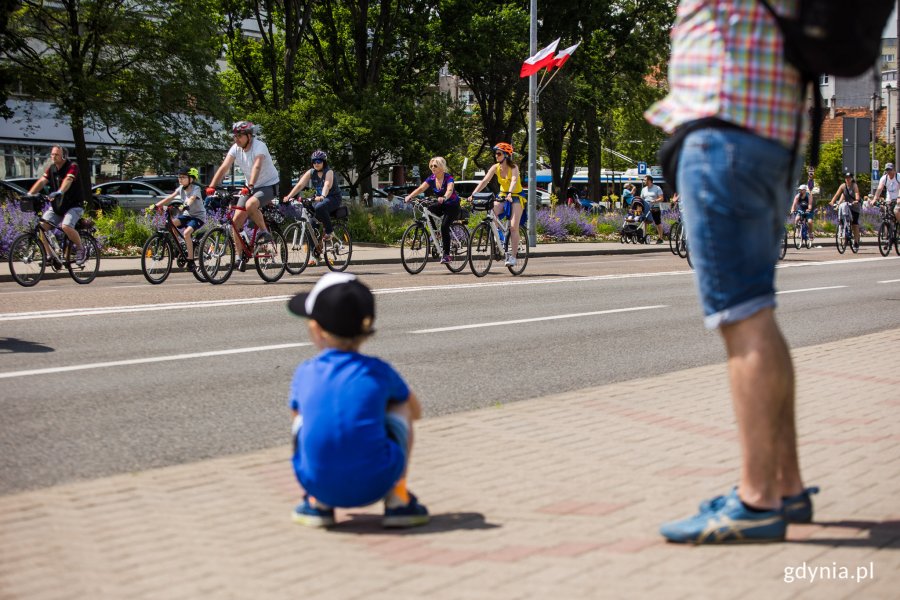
[
  {"x": 560, "y": 59},
  {"x": 542, "y": 59}
]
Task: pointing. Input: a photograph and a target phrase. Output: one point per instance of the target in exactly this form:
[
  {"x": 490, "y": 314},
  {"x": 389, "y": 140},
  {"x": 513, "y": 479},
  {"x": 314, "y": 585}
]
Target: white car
[{"x": 464, "y": 189}]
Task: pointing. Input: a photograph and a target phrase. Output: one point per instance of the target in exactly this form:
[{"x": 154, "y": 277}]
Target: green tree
[
  {"x": 486, "y": 43},
  {"x": 371, "y": 85},
  {"x": 264, "y": 76},
  {"x": 144, "y": 70}
]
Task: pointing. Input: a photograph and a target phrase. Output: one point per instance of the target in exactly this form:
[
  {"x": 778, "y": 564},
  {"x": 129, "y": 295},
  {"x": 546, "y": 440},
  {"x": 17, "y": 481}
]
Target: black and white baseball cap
[{"x": 340, "y": 303}]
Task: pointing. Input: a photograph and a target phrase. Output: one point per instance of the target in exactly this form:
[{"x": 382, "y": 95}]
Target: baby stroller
[{"x": 632, "y": 228}]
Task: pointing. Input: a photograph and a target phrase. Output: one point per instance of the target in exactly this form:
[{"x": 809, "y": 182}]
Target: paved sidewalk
[{"x": 557, "y": 497}]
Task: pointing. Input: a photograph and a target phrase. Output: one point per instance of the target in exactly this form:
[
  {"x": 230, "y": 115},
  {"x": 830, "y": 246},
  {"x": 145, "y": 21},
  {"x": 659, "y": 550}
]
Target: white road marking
[
  {"x": 550, "y": 318},
  {"x": 506, "y": 282},
  {"x": 152, "y": 359},
  {"x": 26, "y": 291},
  {"x": 832, "y": 287},
  {"x": 890, "y": 281}
]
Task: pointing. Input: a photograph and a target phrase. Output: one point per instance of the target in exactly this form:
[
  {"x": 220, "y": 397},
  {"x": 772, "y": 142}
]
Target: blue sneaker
[
  {"x": 726, "y": 520},
  {"x": 312, "y": 516},
  {"x": 799, "y": 508},
  {"x": 409, "y": 515}
]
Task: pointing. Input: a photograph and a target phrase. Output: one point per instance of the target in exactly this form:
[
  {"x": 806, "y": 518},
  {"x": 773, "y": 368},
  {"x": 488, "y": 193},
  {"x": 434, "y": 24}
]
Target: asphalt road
[{"x": 122, "y": 376}]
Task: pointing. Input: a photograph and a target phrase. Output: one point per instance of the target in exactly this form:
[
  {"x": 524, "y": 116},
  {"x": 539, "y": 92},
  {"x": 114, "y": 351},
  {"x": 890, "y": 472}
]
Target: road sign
[
  {"x": 874, "y": 174},
  {"x": 642, "y": 168},
  {"x": 875, "y": 165}
]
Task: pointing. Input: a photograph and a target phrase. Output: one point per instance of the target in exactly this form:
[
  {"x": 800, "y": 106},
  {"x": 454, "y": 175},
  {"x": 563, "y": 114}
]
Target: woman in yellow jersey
[{"x": 511, "y": 202}]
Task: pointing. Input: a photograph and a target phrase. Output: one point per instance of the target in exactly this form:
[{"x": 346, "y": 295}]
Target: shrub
[
  {"x": 13, "y": 223},
  {"x": 122, "y": 229}
]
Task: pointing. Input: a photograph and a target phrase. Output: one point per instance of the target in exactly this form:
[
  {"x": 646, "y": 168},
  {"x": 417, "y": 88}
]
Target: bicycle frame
[
  {"x": 306, "y": 218},
  {"x": 430, "y": 221}
]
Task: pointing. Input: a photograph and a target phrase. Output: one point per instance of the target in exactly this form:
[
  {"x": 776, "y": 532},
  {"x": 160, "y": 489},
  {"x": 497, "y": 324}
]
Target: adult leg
[
  {"x": 762, "y": 388},
  {"x": 450, "y": 213},
  {"x": 253, "y": 209},
  {"x": 514, "y": 220},
  {"x": 323, "y": 214}
]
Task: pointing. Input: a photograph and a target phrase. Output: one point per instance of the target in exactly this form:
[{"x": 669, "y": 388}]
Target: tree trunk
[
  {"x": 595, "y": 162},
  {"x": 81, "y": 158}
]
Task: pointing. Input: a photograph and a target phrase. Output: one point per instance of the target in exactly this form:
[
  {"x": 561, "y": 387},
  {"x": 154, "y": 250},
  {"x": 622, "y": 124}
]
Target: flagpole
[{"x": 532, "y": 135}]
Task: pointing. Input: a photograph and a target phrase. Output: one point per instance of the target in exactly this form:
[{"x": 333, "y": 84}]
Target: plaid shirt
[{"x": 728, "y": 62}]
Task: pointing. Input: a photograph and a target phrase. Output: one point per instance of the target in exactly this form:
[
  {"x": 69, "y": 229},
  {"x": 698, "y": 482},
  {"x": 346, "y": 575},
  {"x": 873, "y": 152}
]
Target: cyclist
[
  {"x": 891, "y": 186},
  {"x": 440, "y": 184},
  {"x": 67, "y": 204},
  {"x": 328, "y": 195},
  {"x": 802, "y": 207},
  {"x": 194, "y": 213},
  {"x": 848, "y": 192},
  {"x": 252, "y": 156},
  {"x": 511, "y": 202}
]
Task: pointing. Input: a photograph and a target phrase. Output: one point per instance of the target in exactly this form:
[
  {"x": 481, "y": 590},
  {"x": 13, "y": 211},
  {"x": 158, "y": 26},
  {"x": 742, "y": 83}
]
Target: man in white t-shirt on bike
[
  {"x": 891, "y": 186},
  {"x": 261, "y": 178}
]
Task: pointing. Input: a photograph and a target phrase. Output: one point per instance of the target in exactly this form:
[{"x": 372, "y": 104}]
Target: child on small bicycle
[
  {"x": 193, "y": 213},
  {"x": 353, "y": 413},
  {"x": 511, "y": 195}
]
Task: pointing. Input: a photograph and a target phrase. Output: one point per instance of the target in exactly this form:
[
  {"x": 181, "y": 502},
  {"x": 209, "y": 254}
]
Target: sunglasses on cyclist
[{"x": 317, "y": 161}]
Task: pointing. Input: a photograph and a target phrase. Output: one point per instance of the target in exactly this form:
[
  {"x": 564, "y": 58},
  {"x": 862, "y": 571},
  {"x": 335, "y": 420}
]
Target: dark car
[
  {"x": 26, "y": 183},
  {"x": 11, "y": 190},
  {"x": 167, "y": 183}
]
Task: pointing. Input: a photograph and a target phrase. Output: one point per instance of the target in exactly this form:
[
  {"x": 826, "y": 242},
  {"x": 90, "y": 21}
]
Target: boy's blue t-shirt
[{"x": 344, "y": 456}]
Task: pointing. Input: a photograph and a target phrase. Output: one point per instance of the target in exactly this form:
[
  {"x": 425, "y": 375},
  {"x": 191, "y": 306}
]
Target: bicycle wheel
[
  {"x": 885, "y": 238},
  {"x": 783, "y": 244},
  {"x": 481, "y": 250},
  {"x": 521, "y": 253},
  {"x": 674, "y": 232},
  {"x": 88, "y": 271},
  {"x": 797, "y": 236},
  {"x": 26, "y": 260},
  {"x": 854, "y": 245},
  {"x": 217, "y": 255},
  {"x": 896, "y": 240},
  {"x": 459, "y": 247},
  {"x": 339, "y": 248},
  {"x": 156, "y": 259},
  {"x": 270, "y": 258},
  {"x": 840, "y": 238},
  {"x": 414, "y": 248},
  {"x": 297, "y": 248}
]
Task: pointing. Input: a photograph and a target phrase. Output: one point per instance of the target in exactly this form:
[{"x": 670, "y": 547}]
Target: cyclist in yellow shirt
[{"x": 511, "y": 202}]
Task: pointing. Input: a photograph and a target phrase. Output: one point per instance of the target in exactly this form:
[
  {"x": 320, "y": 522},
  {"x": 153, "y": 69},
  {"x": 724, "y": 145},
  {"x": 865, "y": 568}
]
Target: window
[
  {"x": 823, "y": 79},
  {"x": 887, "y": 58}
]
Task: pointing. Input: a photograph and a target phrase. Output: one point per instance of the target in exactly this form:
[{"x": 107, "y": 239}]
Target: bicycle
[
  {"x": 675, "y": 235},
  {"x": 166, "y": 245},
  {"x": 28, "y": 253},
  {"x": 423, "y": 239},
  {"x": 843, "y": 235},
  {"x": 304, "y": 237},
  {"x": 887, "y": 232},
  {"x": 783, "y": 244},
  {"x": 490, "y": 239},
  {"x": 217, "y": 247},
  {"x": 801, "y": 234}
]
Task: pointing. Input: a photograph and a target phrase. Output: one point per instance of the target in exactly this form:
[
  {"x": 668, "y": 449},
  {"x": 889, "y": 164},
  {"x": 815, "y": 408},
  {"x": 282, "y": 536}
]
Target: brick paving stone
[{"x": 526, "y": 503}]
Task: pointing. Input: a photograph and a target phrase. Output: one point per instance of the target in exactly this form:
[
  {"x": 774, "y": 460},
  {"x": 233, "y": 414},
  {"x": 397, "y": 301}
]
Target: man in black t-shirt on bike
[{"x": 67, "y": 203}]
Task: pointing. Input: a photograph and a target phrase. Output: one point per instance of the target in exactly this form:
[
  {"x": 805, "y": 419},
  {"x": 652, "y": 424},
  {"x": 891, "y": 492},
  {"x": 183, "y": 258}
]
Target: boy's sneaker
[
  {"x": 191, "y": 266},
  {"x": 312, "y": 516},
  {"x": 724, "y": 520},
  {"x": 799, "y": 508},
  {"x": 80, "y": 256},
  {"x": 445, "y": 259},
  {"x": 510, "y": 260},
  {"x": 241, "y": 264},
  {"x": 264, "y": 238},
  {"x": 409, "y": 515}
]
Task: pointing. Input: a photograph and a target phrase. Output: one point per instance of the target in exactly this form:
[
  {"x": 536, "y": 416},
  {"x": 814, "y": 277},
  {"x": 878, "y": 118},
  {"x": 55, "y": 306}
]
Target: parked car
[
  {"x": 11, "y": 190},
  {"x": 131, "y": 195},
  {"x": 167, "y": 183},
  {"x": 96, "y": 201},
  {"x": 26, "y": 183},
  {"x": 466, "y": 187}
]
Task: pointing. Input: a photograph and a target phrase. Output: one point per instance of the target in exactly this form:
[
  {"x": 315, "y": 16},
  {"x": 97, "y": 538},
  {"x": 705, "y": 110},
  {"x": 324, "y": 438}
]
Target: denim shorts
[
  {"x": 736, "y": 193},
  {"x": 189, "y": 221}
]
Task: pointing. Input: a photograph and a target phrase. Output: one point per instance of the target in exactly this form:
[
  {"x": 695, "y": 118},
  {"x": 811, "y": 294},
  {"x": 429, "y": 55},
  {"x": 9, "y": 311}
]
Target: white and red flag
[
  {"x": 542, "y": 59},
  {"x": 561, "y": 58}
]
